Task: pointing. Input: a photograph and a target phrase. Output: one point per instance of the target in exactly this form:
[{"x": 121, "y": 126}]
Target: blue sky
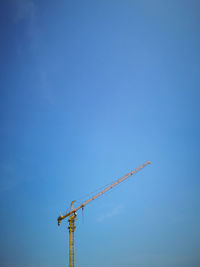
[{"x": 90, "y": 90}]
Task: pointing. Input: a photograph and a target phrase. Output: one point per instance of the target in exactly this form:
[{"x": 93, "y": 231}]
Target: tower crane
[{"x": 72, "y": 213}]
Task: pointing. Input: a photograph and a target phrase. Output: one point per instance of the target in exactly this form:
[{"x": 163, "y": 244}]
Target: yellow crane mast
[{"x": 72, "y": 214}]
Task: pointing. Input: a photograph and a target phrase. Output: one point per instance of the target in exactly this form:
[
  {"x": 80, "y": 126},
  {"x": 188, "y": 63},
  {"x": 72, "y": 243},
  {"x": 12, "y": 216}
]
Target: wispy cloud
[
  {"x": 26, "y": 12},
  {"x": 115, "y": 211},
  {"x": 14, "y": 172},
  {"x": 8, "y": 177},
  {"x": 25, "y": 9}
]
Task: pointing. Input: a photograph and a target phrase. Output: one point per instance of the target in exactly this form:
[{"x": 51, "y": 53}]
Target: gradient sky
[{"x": 90, "y": 90}]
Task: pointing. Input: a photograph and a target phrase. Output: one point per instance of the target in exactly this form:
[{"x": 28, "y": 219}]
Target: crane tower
[{"x": 72, "y": 214}]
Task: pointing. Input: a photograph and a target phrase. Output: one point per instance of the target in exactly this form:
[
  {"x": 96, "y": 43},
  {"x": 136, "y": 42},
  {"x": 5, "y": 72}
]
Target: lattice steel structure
[{"x": 72, "y": 214}]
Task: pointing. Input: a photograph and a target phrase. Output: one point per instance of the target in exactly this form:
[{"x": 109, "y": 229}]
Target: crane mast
[{"x": 72, "y": 214}]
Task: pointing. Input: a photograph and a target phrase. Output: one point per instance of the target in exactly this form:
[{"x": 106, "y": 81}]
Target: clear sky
[{"x": 90, "y": 90}]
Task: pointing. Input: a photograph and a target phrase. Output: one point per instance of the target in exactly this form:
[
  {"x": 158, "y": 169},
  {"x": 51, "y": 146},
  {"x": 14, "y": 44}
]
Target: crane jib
[{"x": 73, "y": 211}]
